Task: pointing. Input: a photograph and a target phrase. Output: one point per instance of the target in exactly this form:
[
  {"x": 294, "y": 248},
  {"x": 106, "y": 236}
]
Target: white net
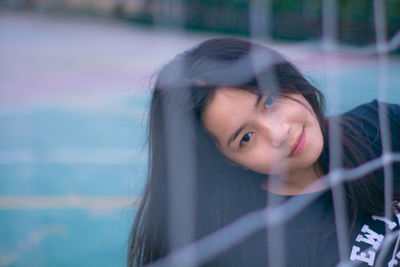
[{"x": 271, "y": 217}]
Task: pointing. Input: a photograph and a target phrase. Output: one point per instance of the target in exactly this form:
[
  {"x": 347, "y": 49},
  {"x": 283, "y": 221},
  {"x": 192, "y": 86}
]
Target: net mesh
[{"x": 270, "y": 217}]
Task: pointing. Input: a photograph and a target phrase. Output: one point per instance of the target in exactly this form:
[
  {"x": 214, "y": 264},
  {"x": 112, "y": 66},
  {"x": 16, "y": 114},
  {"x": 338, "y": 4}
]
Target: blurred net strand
[
  {"x": 181, "y": 173},
  {"x": 260, "y": 21},
  {"x": 381, "y": 36},
  {"x": 329, "y": 24},
  {"x": 181, "y": 181},
  {"x": 329, "y": 41},
  {"x": 226, "y": 237}
]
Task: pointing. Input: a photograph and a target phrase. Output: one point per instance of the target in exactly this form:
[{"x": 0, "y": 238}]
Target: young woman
[{"x": 255, "y": 129}]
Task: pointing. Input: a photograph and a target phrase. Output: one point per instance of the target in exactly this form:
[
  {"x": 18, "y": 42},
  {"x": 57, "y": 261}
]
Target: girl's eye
[
  {"x": 246, "y": 138},
  {"x": 269, "y": 101}
]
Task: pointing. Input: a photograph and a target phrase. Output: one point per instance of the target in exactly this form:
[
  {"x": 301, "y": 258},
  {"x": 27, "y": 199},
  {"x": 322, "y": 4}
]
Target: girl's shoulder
[
  {"x": 363, "y": 124},
  {"x": 365, "y": 118},
  {"x": 371, "y": 110}
]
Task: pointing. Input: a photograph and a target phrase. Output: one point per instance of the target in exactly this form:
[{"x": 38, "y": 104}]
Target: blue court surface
[{"x": 74, "y": 94}]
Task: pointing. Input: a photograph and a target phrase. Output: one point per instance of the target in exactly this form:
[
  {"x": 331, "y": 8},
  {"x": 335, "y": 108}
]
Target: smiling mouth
[{"x": 298, "y": 146}]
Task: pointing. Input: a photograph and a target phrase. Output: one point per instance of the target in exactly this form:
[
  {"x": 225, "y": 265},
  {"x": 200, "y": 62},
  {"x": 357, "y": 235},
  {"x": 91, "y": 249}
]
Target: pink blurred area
[{"x": 56, "y": 57}]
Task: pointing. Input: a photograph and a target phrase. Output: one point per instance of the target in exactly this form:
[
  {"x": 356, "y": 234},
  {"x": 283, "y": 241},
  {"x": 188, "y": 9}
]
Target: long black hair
[{"x": 224, "y": 191}]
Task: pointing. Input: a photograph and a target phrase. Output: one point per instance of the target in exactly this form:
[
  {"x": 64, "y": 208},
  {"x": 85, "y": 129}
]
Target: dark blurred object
[
  {"x": 289, "y": 19},
  {"x": 87, "y": 7}
]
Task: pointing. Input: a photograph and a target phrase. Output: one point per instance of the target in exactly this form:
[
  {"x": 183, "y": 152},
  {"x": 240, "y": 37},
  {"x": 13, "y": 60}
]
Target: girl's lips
[{"x": 299, "y": 146}]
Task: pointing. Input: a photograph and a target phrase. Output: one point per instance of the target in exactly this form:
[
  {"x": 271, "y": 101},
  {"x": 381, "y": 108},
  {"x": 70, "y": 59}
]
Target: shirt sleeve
[{"x": 366, "y": 119}]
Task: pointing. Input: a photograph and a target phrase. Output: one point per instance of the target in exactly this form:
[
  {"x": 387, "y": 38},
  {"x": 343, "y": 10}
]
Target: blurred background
[{"x": 75, "y": 83}]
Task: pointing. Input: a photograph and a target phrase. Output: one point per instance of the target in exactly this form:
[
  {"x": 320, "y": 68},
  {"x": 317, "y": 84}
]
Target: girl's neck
[{"x": 299, "y": 182}]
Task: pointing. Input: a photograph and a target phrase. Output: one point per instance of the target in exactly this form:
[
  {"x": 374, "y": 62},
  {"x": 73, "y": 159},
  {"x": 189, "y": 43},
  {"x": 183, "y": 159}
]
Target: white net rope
[{"x": 233, "y": 233}]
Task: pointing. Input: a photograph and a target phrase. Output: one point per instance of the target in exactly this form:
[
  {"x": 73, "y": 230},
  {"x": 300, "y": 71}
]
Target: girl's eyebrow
[{"x": 237, "y": 132}]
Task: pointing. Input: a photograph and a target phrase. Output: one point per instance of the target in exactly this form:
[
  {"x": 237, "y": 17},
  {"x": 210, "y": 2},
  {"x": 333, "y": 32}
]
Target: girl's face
[{"x": 269, "y": 135}]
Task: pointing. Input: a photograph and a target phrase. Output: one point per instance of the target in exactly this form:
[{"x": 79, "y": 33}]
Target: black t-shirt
[{"x": 310, "y": 238}]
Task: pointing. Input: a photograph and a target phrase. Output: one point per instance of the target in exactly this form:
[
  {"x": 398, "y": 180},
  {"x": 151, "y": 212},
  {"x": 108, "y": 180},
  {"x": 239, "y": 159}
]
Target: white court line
[
  {"x": 14, "y": 251},
  {"x": 68, "y": 202},
  {"x": 74, "y": 156}
]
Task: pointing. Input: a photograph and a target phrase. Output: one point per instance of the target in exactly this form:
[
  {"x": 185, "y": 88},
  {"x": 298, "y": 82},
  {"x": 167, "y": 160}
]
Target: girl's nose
[{"x": 277, "y": 132}]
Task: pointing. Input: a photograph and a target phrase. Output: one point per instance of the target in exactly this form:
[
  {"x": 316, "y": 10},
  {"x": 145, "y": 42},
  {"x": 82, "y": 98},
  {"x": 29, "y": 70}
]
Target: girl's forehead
[
  {"x": 229, "y": 95},
  {"x": 226, "y": 98}
]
